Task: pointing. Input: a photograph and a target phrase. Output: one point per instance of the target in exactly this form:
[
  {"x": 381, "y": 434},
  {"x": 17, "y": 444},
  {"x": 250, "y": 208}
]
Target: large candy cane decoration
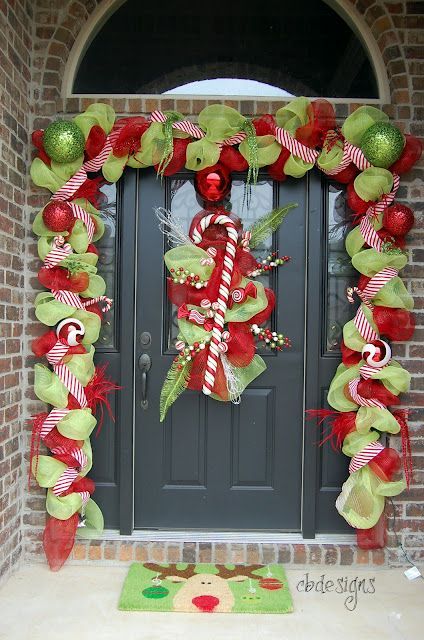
[{"x": 223, "y": 293}]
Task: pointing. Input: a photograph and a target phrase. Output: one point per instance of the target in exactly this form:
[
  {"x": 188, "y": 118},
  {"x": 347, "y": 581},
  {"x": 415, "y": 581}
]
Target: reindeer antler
[
  {"x": 171, "y": 570},
  {"x": 239, "y": 570}
]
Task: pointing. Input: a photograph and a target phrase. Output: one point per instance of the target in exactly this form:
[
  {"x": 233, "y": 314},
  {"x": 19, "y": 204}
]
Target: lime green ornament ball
[
  {"x": 63, "y": 141},
  {"x": 382, "y": 144}
]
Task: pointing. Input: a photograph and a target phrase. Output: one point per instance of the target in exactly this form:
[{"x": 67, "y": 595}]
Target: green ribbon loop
[
  {"x": 168, "y": 143},
  {"x": 252, "y": 154}
]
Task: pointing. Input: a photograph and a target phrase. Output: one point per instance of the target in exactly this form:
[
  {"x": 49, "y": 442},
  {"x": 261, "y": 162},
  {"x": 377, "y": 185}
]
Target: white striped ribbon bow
[
  {"x": 294, "y": 146},
  {"x": 60, "y": 250},
  {"x": 181, "y": 125},
  {"x": 71, "y": 472},
  {"x": 73, "y": 385},
  {"x": 73, "y": 300},
  {"x": 366, "y": 295},
  {"x": 368, "y": 453}
]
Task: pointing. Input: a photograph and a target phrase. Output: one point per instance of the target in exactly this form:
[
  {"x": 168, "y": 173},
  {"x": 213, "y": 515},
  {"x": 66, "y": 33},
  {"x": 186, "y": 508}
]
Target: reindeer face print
[{"x": 204, "y": 592}]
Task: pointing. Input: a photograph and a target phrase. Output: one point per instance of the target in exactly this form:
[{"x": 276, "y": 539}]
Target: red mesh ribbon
[
  {"x": 130, "y": 132},
  {"x": 58, "y": 278},
  {"x": 395, "y": 324},
  {"x": 321, "y": 119},
  {"x": 241, "y": 344},
  {"x": 401, "y": 416},
  {"x": 58, "y": 540},
  {"x": 375, "y": 390}
]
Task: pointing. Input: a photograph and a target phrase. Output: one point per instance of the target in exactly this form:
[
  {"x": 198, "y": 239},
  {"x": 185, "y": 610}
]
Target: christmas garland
[{"x": 220, "y": 307}]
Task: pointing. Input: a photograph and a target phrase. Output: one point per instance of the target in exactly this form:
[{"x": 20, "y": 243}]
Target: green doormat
[{"x": 206, "y": 588}]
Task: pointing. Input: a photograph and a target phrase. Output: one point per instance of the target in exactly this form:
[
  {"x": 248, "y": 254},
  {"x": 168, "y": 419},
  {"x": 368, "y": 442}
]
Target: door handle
[{"x": 144, "y": 364}]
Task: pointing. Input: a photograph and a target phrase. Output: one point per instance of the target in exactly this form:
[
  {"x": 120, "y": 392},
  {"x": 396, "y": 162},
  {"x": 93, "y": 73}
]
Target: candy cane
[{"x": 223, "y": 293}]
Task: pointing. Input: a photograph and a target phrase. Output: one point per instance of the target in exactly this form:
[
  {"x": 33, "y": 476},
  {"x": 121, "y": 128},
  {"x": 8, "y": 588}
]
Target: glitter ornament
[
  {"x": 63, "y": 141},
  {"x": 58, "y": 216},
  {"x": 382, "y": 144},
  {"x": 398, "y": 219}
]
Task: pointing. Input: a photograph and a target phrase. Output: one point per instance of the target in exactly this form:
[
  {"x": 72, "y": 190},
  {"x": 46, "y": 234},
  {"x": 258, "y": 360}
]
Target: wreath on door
[{"x": 222, "y": 309}]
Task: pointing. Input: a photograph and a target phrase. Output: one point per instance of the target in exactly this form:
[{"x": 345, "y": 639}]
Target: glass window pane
[
  {"x": 107, "y": 265},
  {"x": 340, "y": 273}
]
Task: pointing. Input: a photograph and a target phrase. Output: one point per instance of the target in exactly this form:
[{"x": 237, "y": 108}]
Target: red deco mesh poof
[
  {"x": 276, "y": 169},
  {"x": 232, "y": 159},
  {"x": 90, "y": 191},
  {"x": 395, "y": 324},
  {"x": 68, "y": 459},
  {"x": 55, "y": 439},
  {"x": 178, "y": 157},
  {"x": 82, "y": 484},
  {"x": 42, "y": 345},
  {"x": 356, "y": 203},
  {"x": 37, "y": 140},
  {"x": 410, "y": 155},
  {"x": 197, "y": 374},
  {"x": 95, "y": 141},
  {"x": 398, "y": 242},
  {"x": 58, "y": 540},
  {"x": 264, "y": 125},
  {"x": 321, "y": 119},
  {"x": 128, "y": 140},
  {"x": 60, "y": 279},
  {"x": 349, "y": 356},
  {"x": 241, "y": 345},
  {"x": 216, "y": 232},
  {"x": 386, "y": 464},
  {"x": 377, "y": 391},
  {"x": 347, "y": 175}
]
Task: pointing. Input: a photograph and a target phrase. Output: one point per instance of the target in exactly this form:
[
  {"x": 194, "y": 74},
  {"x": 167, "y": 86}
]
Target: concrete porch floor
[{"x": 81, "y": 602}]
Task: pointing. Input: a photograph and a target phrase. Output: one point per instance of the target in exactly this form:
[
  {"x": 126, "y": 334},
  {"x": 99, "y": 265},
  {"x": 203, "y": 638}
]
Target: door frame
[{"x": 315, "y": 227}]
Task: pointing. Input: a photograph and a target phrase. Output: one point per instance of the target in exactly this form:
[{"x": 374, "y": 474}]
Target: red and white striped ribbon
[
  {"x": 181, "y": 125},
  {"x": 356, "y": 156},
  {"x": 72, "y": 383},
  {"x": 52, "y": 420},
  {"x": 223, "y": 292},
  {"x": 294, "y": 146},
  {"x": 235, "y": 139},
  {"x": 85, "y": 495},
  {"x": 386, "y": 200},
  {"x": 82, "y": 214},
  {"x": 73, "y": 300},
  {"x": 57, "y": 353},
  {"x": 366, "y": 372},
  {"x": 369, "y": 234},
  {"x": 60, "y": 250},
  {"x": 71, "y": 472},
  {"x": 363, "y": 402},
  {"x": 91, "y": 166},
  {"x": 366, "y": 295},
  {"x": 368, "y": 453}
]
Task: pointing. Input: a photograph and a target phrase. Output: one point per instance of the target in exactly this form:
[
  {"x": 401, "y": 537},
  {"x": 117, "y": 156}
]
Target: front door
[{"x": 214, "y": 465}]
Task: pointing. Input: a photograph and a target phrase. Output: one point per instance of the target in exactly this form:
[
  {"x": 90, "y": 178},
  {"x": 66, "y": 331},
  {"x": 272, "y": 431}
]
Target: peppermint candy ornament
[
  {"x": 377, "y": 354},
  {"x": 70, "y": 330}
]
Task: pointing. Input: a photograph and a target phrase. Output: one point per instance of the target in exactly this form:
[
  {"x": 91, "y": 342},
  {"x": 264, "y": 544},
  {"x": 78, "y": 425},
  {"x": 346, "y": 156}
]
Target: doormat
[{"x": 206, "y": 588}]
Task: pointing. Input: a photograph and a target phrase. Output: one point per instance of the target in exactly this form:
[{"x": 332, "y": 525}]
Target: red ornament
[
  {"x": 213, "y": 183},
  {"x": 398, "y": 219},
  {"x": 58, "y": 216},
  {"x": 271, "y": 584}
]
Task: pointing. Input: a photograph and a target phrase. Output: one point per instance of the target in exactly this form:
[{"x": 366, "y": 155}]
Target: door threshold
[{"x": 242, "y": 537}]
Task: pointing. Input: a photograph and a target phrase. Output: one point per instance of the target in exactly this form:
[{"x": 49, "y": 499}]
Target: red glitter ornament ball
[
  {"x": 58, "y": 216},
  {"x": 398, "y": 219},
  {"x": 213, "y": 183}
]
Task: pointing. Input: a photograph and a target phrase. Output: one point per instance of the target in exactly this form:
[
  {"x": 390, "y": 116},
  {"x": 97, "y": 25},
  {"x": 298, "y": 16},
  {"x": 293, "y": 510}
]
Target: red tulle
[
  {"x": 233, "y": 159},
  {"x": 58, "y": 278},
  {"x": 340, "y": 425},
  {"x": 377, "y": 391},
  {"x": 241, "y": 345},
  {"x": 394, "y": 324},
  {"x": 58, "y": 540},
  {"x": 347, "y": 175},
  {"x": 178, "y": 158},
  {"x": 276, "y": 169},
  {"x": 128, "y": 140},
  {"x": 349, "y": 356},
  {"x": 354, "y": 202},
  {"x": 264, "y": 125},
  {"x": 401, "y": 416},
  {"x": 263, "y": 316},
  {"x": 95, "y": 141},
  {"x": 90, "y": 191},
  {"x": 321, "y": 119},
  {"x": 410, "y": 155}
]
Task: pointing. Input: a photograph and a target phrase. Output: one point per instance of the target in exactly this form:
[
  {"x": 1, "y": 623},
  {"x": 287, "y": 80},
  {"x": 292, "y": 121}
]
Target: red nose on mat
[{"x": 206, "y": 603}]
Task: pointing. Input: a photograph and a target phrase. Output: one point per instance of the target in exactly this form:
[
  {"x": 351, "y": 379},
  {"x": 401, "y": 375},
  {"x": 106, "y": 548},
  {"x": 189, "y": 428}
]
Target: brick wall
[
  {"x": 397, "y": 27},
  {"x": 15, "y": 116}
]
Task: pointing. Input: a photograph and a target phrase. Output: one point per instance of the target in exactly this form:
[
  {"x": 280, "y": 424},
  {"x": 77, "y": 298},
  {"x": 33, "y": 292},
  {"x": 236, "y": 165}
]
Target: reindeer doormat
[{"x": 206, "y": 588}]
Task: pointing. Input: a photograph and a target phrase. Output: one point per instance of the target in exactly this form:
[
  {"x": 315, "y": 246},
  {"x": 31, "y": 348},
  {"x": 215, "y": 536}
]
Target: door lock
[{"x": 145, "y": 339}]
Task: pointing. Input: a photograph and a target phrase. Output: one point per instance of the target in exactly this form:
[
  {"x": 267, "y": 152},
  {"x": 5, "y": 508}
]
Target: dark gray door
[{"x": 212, "y": 464}]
